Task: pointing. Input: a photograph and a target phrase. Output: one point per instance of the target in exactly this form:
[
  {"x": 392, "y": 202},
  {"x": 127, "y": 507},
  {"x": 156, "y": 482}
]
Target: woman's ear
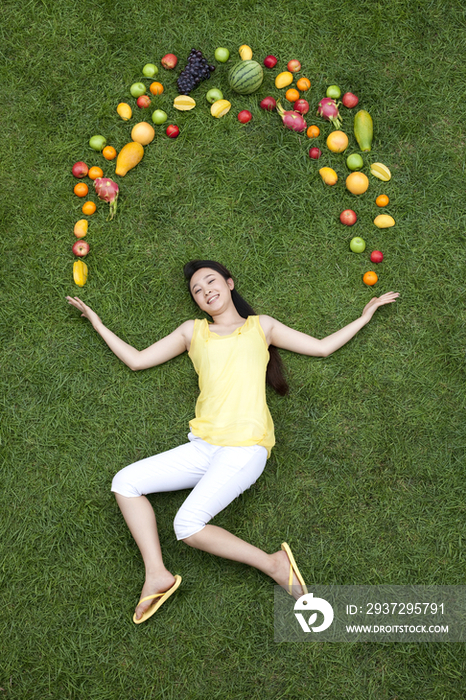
[{"x": 230, "y": 283}]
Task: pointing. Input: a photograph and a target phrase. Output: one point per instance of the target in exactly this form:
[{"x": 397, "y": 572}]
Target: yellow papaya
[
  {"x": 363, "y": 129},
  {"x": 129, "y": 156}
]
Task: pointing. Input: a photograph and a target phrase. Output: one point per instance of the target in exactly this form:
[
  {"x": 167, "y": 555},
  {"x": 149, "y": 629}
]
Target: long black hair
[{"x": 275, "y": 376}]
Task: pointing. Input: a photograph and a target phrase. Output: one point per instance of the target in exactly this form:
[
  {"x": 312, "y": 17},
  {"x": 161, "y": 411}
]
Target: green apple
[
  {"x": 213, "y": 95},
  {"x": 150, "y": 70},
  {"x": 354, "y": 161},
  {"x": 333, "y": 91},
  {"x": 97, "y": 142},
  {"x": 222, "y": 55},
  {"x": 357, "y": 245},
  {"x": 159, "y": 116},
  {"x": 137, "y": 89}
]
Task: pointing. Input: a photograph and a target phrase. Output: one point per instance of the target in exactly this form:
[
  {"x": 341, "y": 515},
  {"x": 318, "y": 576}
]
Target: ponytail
[{"x": 275, "y": 372}]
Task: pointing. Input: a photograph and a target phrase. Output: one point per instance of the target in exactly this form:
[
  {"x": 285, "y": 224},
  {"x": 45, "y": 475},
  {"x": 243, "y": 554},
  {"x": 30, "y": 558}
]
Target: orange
[
  {"x": 303, "y": 84},
  {"x": 382, "y": 200},
  {"x": 292, "y": 95},
  {"x": 88, "y": 208},
  {"x": 95, "y": 172},
  {"x": 370, "y": 278},
  {"x": 337, "y": 141},
  {"x": 156, "y": 88},
  {"x": 109, "y": 153},
  {"x": 313, "y": 131},
  {"x": 357, "y": 183},
  {"x": 81, "y": 189}
]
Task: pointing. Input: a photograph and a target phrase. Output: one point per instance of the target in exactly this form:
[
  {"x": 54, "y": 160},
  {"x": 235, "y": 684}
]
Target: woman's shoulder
[{"x": 266, "y": 322}]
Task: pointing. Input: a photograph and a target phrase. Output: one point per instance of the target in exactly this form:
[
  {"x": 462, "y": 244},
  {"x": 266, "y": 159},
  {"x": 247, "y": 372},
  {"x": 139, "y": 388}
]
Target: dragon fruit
[
  {"x": 107, "y": 190},
  {"x": 328, "y": 109},
  {"x": 292, "y": 120}
]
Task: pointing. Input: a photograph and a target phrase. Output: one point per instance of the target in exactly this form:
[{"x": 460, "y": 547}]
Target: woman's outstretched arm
[
  {"x": 284, "y": 337},
  {"x": 161, "y": 351}
]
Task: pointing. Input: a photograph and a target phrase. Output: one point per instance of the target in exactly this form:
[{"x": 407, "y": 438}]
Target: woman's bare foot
[
  {"x": 281, "y": 574},
  {"x": 152, "y": 585}
]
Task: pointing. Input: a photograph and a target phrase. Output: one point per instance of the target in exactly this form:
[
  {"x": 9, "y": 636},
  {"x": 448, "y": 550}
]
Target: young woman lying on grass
[{"x": 231, "y": 435}]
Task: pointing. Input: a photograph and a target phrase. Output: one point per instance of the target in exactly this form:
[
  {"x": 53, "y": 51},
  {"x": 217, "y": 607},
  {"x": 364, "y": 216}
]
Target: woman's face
[{"x": 210, "y": 290}]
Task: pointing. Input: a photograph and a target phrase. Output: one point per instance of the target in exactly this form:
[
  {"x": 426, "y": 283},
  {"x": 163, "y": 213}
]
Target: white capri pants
[{"x": 216, "y": 474}]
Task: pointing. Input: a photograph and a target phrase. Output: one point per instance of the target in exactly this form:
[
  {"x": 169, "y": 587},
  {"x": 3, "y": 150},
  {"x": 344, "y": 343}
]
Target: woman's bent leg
[{"x": 232, "y": 471}]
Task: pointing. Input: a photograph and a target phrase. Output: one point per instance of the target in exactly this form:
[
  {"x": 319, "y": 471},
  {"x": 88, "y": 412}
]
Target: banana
[
  {"x": 381, "y": 171},
  {"x": 384, "y": 221},
  {"x": 183, "y": 103}
]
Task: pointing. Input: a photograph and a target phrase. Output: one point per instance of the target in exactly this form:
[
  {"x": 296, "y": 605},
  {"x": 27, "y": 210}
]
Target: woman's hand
[
  {"x": 374, "y": 304},
  {"x": 86, "y": 311}
]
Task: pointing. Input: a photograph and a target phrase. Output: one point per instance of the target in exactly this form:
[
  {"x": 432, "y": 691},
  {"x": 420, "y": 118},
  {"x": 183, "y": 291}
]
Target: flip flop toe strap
[{"x": 151, "y": 597}]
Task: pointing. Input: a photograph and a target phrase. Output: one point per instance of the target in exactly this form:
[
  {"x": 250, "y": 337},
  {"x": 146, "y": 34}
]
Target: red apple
[
  {"x": 301, "y": 106},
  {"x": 81, "y": 248},
  {"x": 268, "y": 103},
  {"x": 294, "y": 66},
  {"x": 376, "y": 256},
  {"x": 244, "y": 116},
  {"x": 350, "y": 100},
  {"x": 315, "y": 153},
  {"x": 172, "y": 131},
  {"x": 143, "y": 101},
  {"x": 169, "y": 61},
  {"x": 80, "y": 169},
  {"x": 270, "y": 61},
  {"x": 348, "y": 217}
]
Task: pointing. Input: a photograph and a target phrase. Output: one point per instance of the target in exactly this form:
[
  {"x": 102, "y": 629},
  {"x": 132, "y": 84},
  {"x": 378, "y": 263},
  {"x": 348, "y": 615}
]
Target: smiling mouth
[{"x": 212, "y": 299}]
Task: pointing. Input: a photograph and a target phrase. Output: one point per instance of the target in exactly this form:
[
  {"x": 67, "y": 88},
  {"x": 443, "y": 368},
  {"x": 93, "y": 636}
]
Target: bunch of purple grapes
[{"x": 197, "y": 70}]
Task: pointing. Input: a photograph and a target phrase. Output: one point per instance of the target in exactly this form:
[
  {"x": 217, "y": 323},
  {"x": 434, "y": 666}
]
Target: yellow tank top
[{"x": 231, "y": 408}]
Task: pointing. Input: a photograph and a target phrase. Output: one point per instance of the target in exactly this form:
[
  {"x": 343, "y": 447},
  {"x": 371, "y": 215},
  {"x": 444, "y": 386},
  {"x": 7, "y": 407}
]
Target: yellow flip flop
[
  {"x": 293, "y": 570},
  {"x": 162, "y": 597}
]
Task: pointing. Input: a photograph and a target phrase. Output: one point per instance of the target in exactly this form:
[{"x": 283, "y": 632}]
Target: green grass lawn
[{"x": 366, "y": 481}]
